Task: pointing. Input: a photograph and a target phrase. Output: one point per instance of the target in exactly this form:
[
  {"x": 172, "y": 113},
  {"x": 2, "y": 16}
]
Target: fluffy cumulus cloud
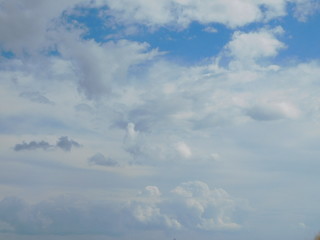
[
  {"x": 191, "y": 203},
  {"x": 181, "y": 13},
  {"x": 247, "y": 48},
  {"x": 207, "y": 209}
]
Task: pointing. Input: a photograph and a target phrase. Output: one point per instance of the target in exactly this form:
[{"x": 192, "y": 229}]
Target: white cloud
[
  {"x": 141, "y": 11},
  {"x": 208, "y": 209},
  {"x": 131, "y": 132},
  {"x": 147, "y": 120},
  {"x": 232, "y": 13},
  {"x": 247, "y": 48},
  {"x": 210, "y": 30},
  {"x": 191, "y": 205},
  {"x": 151, "y": 191},
  {"x": 71, "y": 215},
  {"x": 181, "y": 13},
  {"x": 183, "y": 149}
]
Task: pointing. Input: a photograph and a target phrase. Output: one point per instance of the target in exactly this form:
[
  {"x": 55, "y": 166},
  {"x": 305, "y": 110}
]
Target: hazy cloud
[
  {"x": 306, "y": 8},
  {"x": 273, "y": 111},
  {"x": 61, "y": 215},
  {"x": 192, "y": 202},
  {"x": 21, "y": 31},
  {"x": 35, "y": 97},
  {"x": 183, "y": 149},
  {"x": 90, "y": 59},
  {"x": 100, "y": 159}
]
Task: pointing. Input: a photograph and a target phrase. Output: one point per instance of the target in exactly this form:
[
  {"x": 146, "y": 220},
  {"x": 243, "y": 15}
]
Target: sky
[{"x": 159, "y": 119}]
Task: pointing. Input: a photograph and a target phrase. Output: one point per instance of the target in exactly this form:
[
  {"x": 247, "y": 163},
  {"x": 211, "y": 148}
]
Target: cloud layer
[
  {"x": 166, "y": 146},
  {"x": 190, "y": 205}
]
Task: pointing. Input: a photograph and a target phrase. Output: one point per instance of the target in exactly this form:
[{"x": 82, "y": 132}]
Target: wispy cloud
[{"x": 35, "y": 97}]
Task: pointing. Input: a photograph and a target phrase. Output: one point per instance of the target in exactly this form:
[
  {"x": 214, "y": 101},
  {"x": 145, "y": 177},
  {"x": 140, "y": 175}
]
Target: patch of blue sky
[
  {"x": 302, "y": 38},
  {"x": 191, "y": 45},
  {"x": 91, "y": 19},
  {"x": 7, "y": 54},
  {"x": 199, "y": 42}
]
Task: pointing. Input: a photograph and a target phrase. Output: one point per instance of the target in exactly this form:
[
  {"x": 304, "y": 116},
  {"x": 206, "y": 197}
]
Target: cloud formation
[
  {"x": 63, "y": 143},
  {"x": 273, "y": 111},
  {"x": 252, "y": 46},
  {"x": 207, "y": 209},
  {"x": 101, "y": 160},
  {"x": 66, "y": 144},
  {"x": 26, "y": 24},
  {"x": 35, "y": 97},
  {"x": 159, "y": 93},
  {"x": 191, "y": 204},
  {"x": 33, "y": 145},
  {"x": 61, "y": 215},
  {"x": 101, "y": 66},
  {"x": 181, "y": 13}
]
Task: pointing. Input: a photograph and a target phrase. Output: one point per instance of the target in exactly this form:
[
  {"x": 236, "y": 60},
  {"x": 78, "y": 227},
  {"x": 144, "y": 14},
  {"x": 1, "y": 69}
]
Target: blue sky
[{"x": 172, "y": 119}]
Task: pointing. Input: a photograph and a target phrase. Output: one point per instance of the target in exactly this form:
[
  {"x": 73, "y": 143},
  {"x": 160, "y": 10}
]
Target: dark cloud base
[{"x": 63, "y": 143}]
